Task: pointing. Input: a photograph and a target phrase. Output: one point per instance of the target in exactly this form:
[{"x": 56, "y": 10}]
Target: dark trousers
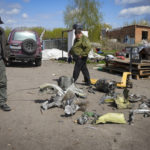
[
  {"x": 3, "y": 83},
  {"x": 80, "y": 65}
]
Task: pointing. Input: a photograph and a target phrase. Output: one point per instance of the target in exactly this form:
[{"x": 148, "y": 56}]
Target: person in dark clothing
[
  {"x": 80, "y": 51},
  {"x": 3, "y": 78}
]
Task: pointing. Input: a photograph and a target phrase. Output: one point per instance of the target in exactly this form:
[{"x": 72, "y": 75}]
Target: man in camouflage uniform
[
  {"x": 80, "y": 51},
  {"x": 3, "y": 79}
]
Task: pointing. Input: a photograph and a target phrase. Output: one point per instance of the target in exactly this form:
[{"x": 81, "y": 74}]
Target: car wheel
[
  {"x": 9, "y": 62},
  {"x": 29, "y": 46},
  {"x": 30, "y": 62},
  {"x": 38, "y": 62}
]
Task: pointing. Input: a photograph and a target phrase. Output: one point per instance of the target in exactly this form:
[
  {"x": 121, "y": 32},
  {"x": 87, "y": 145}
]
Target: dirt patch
[{"x": 25, "y": 127}]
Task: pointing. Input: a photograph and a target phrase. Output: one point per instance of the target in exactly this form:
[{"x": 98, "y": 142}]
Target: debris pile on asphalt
[
  {"x": 94, "y": 118},
  {"x": 125, "y": 101},
  {"x": 121, "y": 101},
  {"x": 65, "y": 95}
]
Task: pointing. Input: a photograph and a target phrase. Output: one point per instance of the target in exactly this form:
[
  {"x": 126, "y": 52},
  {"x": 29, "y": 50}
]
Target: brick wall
[
  {"x": 138, "y": 33},
  {"x": 114, "y": 34},
  {"x": 133, "y": 31}
]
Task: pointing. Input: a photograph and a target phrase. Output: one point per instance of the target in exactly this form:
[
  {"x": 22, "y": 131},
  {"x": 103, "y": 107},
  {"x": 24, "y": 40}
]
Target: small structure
[
  {"x": 132, "y": 34},
  {"x": 145, "y": 53},
  {"x": 71, "y": 37}
]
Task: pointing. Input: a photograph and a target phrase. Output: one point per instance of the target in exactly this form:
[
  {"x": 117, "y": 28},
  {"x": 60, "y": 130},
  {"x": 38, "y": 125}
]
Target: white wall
[{"x": 71, "y": 37}]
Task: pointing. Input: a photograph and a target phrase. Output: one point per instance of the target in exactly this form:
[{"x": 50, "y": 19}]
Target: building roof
[
  {"x": 137, "y": 25},
  {"x": 140, "y": 26}
]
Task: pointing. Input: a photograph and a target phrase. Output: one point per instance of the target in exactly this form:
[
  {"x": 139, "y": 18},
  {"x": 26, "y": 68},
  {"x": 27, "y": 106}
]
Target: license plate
[{"x": 15, "y": 47}]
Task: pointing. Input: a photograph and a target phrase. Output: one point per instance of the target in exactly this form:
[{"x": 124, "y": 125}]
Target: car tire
[
  {"x": 29, "y": 46},
  {"x": 9, "y": 63},
  {"x": 38, "y": 62},
  {"x": 30, "y": 63}
]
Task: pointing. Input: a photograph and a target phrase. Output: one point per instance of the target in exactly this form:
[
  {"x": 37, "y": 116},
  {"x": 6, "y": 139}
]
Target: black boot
[{"x": 5, "y": 107}]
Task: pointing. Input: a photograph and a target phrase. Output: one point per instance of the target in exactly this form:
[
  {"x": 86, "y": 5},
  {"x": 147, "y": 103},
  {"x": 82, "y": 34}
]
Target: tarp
[
  {"x": 54, "y": 53},
  {"x": 93, "y": 55},
  {"x": 48, "y": 54}
]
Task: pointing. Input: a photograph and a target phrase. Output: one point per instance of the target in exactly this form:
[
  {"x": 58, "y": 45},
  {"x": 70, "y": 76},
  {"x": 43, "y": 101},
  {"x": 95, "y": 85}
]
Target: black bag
[{"x": 106, "y": 86}]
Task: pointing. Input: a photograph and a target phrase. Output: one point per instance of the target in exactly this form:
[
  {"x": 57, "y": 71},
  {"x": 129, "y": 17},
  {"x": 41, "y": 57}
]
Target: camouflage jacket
[
  {"x": 2, "y": 44},
  {"x": 81, "y": 47}
]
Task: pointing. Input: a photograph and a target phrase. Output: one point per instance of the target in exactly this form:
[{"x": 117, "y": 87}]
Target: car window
[{"x": 20, "y": 36}]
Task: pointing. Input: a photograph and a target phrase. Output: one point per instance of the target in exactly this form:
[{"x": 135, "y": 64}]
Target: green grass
[
  {"x": 92, "y": 62},
  {"x": 107, "y": 52},
  {"x": 88, "y": 62}
]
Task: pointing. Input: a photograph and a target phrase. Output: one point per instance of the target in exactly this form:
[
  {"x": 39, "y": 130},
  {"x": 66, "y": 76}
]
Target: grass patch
[
  {"x": 107, "y": 52},
  {"x": 95, "y": 62}
]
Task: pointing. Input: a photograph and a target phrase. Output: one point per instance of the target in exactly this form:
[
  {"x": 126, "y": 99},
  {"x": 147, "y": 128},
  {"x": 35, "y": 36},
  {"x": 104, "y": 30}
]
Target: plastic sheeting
[
  {"x": 48, "y": 54},
  {"x": 93, "y": 55}
]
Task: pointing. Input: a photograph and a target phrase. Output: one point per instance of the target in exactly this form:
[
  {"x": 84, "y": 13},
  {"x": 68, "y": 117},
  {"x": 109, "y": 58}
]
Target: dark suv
[{"x": 25, "y": 46}]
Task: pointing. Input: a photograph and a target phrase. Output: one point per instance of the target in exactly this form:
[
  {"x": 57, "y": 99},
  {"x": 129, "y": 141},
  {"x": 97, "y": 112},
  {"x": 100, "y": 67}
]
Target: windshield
[{"x": 20, "y": 36}]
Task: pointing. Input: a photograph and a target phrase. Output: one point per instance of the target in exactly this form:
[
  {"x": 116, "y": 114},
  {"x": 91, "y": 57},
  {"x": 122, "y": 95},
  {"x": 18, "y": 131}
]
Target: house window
[{"x": 144, "y": 35}]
